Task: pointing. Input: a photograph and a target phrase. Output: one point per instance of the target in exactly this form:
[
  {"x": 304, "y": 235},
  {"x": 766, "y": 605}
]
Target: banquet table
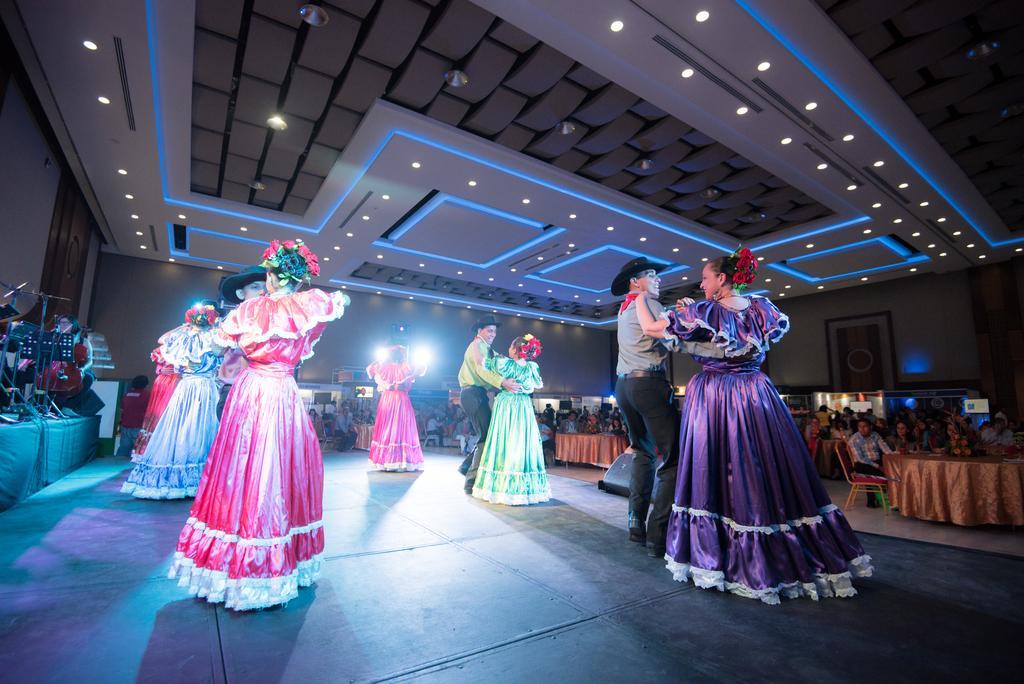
[
  {"x": 964, "y": 491},
  {"x": 599, "y": 450},
  {"x": 825, "y": 458},
  {"x": 364, "y": 433}
]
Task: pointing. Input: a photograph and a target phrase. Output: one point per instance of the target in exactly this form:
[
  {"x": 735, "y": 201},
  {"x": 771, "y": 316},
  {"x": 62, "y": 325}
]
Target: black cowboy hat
[
  {"x": 485, "y": 321},
  {"x": 230, "y": 283},
  {"x": 620, "y": 285}
]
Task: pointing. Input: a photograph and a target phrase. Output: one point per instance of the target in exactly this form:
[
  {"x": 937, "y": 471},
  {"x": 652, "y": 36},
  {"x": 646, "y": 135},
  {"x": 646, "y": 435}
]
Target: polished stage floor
[{"x": 422, "y": 582}]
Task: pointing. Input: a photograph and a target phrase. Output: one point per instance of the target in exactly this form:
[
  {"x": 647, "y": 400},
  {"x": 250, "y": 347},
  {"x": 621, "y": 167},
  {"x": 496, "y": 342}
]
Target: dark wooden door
[{"x": 860, "y": 357}]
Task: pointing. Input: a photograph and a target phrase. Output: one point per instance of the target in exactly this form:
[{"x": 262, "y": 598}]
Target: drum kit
[{"x": 48, "y": 360}]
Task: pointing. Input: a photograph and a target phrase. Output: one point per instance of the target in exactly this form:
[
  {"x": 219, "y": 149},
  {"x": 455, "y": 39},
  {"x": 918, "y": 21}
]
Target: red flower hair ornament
[
  {"x": 529, "y": 347},
  {"x": 291, "y": 260},
  {"x": 202, "y": 316},
  {"x": 745, "y": 268}
]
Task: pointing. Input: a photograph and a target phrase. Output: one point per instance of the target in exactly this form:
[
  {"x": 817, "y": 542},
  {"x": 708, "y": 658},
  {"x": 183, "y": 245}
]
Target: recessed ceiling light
[
  {"x": 415, "y": 165},
  {"x": 923, "y": 204},
  {"x": 904, "y": 186},
  {"x": 89, "y": 45},
  {"x": 848, "y": 137},
  {"x": 1019, "y": 249},
  {"x": 550, "y": 291},
  {"x": 821, "y": 287},
  {"x": 703, "y": 258},
  {"x": 616, "y": 26},
  {"x": 897, "y": 220},
  {"x": 471, "y": 184},
  {"x": 575, "y": 296},
  {"x": 703, "y": 16},
  {"x": 822, "y": 166},
  {"x": 410, "y": 297},
  {"x": 675, "y": 249},
  {"x": 782, "y": 294},
  {"x": 337, "y": 248},
  {"x": 103, "y": 99},
  {"x": 526, "y": 200},
  {"x": 878, "y": 163},
  {"x": 378, "y": 291},
  {"x": 385, "y": 197},
  {"x": 686, "y": 277},
  {"x": 456, "y": 78},
  {"x": 876, "y": 205},
  {"x": 182, "y": 217},
  {"x": 867, "y": 231},
  {"x": 365, "y": 217},
  {"x": 142, "y": 246},
  {"x": 572, "y": 216},
  {"x": 852, "y": 186},
  {"x": 422, "y": 265},
  {"x": 572, "y": 244},
  {"x": 915, "y": 234},
  {"x": 764, "y": 66},
  {"x": 458, "y": 272},
  {"x": 767, "y": 280},
  {"x": 129, "y": 196},
  {"x": 788, "y": 286},
  {"x": 864, "y": 278},
  {"x": 258, "y": 185},
  {"x": 519, "y": 285},
  {"x": 981, "y": 256},
  {"x": 314, "y": 15},
  {"x": 942, "y": 254},
  {"x": 171, "y": 259},
  {"x": 380, "y": 256},
  {"x": 243, "y": 229},
  {"x": 809, "y": 245},
  {"x": 540, "y": 258},
  {"x": 913, "y": 270},
  {"x": 686, "y": 73},
  {"x": 941, "y": 219},
  {"x": 135, "y": 216},
  {"x": 611, "y": 227},
  {"x": 742, "y": 110},
  {"x": 597, "y": 300},
  {"x": 277, "y": 122},
  {"x": 220, "y": 268},
  {"x": 786, "y": 141},
  {"x": 970, "y": 245},
  {"x": 643, "y": 239},
  {"x": 956, "y": 232},
  {"x": 512, "y": 269},
  {"x": 810, "y": 106},
  {"x": 138, "y": 232},
  {"x": 760, "y": 258},
  {"x": 931, "y": 246},
  {"x": 122, "y": 172}
]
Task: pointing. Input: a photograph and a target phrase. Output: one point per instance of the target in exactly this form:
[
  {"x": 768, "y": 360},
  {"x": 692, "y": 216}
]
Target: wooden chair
[{"x": 859, "y": 482}]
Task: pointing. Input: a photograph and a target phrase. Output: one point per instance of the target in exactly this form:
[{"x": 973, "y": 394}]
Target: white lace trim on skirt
[
  {"x": 765, "y": 529},
  {"x": 512, "y": 499},
  {"x": 243, "y": 593},
  {"x": 397, "y": 466},
  {"x": 250, "y": 541},
  {"x": 823, "y": 585},
  {"x": 141, "y": 492}
]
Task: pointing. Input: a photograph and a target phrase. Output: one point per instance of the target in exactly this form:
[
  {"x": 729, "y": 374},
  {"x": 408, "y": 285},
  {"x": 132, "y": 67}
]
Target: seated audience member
[
  {"x": 569, "y": 425},
  {"x": 867, "y": 448},
  {"x": 822, "y": 415},
  {"x": 839, "y": 429},
  {"x": 547, "y": 439},
  {"x": 869, "y": 415},
  {"x": 882, "y": 427},
  {"x": 997, "y": 434},
  {"x": 549, "y": 414},
  {"x": 902, "y": 441},
  {"x": 318, "y": 423},
  {"x": 133, "y": 410},
  {"x": 812, "y": 433},
  {"x": 617, "y": 428},
  {"x": 345, "y": 430},
  {"x": 434, "y": 429},
  {"x": 592, "y": 426}
]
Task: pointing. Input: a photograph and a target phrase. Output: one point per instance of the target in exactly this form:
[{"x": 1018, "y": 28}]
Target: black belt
[{"x": 645, "y": 374}]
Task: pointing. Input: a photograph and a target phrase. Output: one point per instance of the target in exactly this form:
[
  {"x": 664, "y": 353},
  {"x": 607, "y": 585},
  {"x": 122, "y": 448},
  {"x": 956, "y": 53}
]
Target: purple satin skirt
[{"x": 750, "y": 515}]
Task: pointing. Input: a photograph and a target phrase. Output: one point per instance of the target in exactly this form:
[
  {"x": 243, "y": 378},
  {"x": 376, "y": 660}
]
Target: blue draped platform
[{"x": 35, "y": 453}]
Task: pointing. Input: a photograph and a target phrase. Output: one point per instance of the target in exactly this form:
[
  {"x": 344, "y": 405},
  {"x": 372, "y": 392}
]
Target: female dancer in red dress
[
  {"x": 396, "y": 440},
  {"x": 167, "y": 377},
  {"x": 255, "y": 533}
]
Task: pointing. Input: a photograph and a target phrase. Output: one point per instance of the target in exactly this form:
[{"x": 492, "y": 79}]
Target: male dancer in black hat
[
  {"x": 476, "y": 379},
  {"x": 645, "y": 396},
  {"x": 235, "y": 289}
]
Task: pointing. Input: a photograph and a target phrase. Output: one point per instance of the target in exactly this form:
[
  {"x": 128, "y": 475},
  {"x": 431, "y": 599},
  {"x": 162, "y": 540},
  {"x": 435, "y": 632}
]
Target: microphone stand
[{"x": 14, "y": 394}]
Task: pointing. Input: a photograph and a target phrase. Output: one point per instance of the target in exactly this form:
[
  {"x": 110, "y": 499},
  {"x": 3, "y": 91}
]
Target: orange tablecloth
[
  {"x": 600, "y": 450},
  {"x": 364, "y": 433},
  {"x": 963, "y": 491},
  {"x": 825, "y": 458}
]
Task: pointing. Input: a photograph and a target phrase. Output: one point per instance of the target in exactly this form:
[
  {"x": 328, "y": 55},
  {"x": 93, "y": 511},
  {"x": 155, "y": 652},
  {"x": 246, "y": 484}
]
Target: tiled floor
[{"x": 422, "y": 582}]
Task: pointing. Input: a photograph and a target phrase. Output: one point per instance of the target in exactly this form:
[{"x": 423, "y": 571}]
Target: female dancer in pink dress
[
  {"x": 255, "y": 532},
  {"x": 396, "y": 440},
  {"x": 167, "y": 377}
]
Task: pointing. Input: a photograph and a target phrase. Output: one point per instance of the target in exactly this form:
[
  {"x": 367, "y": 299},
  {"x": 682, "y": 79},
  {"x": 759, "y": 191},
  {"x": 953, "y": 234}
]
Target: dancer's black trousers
[
  {"x": 652, "y": 421},
  {"x": 477, "y": 406}
]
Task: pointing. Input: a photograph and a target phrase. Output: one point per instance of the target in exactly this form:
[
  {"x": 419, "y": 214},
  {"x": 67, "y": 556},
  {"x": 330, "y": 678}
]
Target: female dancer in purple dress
[{"x": 750, "y": 514}]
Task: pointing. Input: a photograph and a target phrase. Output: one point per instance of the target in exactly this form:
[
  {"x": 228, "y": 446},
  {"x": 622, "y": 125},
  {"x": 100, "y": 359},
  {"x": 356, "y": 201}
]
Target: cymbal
[{"x": 8, "y": 313}]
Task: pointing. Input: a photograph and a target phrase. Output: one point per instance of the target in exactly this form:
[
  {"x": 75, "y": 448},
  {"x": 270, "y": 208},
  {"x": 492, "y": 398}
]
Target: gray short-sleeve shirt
[{"x": 638, "y": 351}]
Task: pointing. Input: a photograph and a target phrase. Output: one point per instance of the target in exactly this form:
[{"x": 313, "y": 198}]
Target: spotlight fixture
[
  {"x": 349, "y": 235},
  {"x": 809, "y": 245},
  {"x": 616, "y": 26},
  {"x": 258, "y": 185},
  {"x": 956, "y": 232},
  {"x": 788, "y": 287},
  {"x": 565, "y": 128},
  {"x": 915, "y": 234},
  {"x": 931, "y": 246},
  {"x": 526, "y": 200},
  {"x": 171, "y": 260},
  {"x": 571, "y": 245},
  {"x": 103, "y": 100},
  {"x": 645, "y": 164},
  {"x": 456, "y": 78},
  {"x": 864, "y": 278},
  {"x": 572, "y": 216},
  {"x": 385, "y": 197},
  {"x": 897, "y": 220},
  {"x": 415, "y": 165},
  {"x": 182, "y": 217},
  {"x": 981, "y": 256},
  {"x": 675, "y": 249},
  {"x": 471, "y": 184},
  {"x": 314, "y": 15},
  {"x": 983, "y": 49},
  {"x": 686, "y": 73},
  {"x": 867, "y": 231},
  {"x": 764, "y": 66},
  {"x": 142, "y": 246},
  {"x": 89, "y": 45},
  {"x": 851, "y": 186},
  {"x": 742, "y": 110},
  {"x": 786, "y": 141},
  {"x": 822, "y": 166},
  {"x": 458, "y": 272},
  {"x": 702, "y": 16},
  {"x": 139, "y": 233},
  {"x": 277, "y": 123},
  {"x": 821, "y": 287},
  {"x": 941, "y": 219},
  {"x": 611, "y": 228},
  {"x": 220, "y": 268},
  {"x": 643, "y": 239},
  {"x": 337, "y": 248},
  {"x": 710, "y": 193},
  {"x": 970, "y": 245},
  {"x": 811, "y": 106},
  {"x": 903, "y": 186},
  {"x": 122, "y": 172},
  {"x": 876, "y": 205},
  {"x": 129, "y": 196},
  {"x": 365, "y": 217},
  {"x": 878, "y": 163},
  {"x": 848, "y": 137},
  {"x": 913, "y": 270},
  {"x": 423, "y": 265},
  {"x": 135, "y": 216},
  {"x": 942, "y": 254},
  {"x": 380, "y": 256},
  {"x": 243, "y": 229},
  {"x": 923, "y": 204}
]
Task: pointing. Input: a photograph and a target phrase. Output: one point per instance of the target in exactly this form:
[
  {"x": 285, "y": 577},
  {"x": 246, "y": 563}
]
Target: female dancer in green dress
[{"x": 512, "y": 463}]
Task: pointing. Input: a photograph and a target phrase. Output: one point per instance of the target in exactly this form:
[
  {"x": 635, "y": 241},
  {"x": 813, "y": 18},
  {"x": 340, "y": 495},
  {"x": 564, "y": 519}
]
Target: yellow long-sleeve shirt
[{"x": 473, "y": 371}]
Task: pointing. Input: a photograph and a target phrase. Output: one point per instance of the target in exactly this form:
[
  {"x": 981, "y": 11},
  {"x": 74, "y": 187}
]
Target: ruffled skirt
[
  {"x": 255, "y": 532},
  {"x": 512, "y": 463},
  {"x": 751, "y": 515},
  {"x": 396, "y": 441},
  {"x": 159, "y": 396},
  {"x": 174, "y": 458}
]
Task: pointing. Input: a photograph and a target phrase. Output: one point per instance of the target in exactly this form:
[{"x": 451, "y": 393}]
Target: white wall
[{"x": 28, "y": 189}]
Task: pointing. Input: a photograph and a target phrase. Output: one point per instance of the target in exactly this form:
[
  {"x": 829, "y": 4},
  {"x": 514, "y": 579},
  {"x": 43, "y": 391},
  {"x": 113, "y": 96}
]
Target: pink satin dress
[
  {"x": 255, "y": 532},
  {"x": 167, "y": 377},
  {"x": 396, "y": 441}
]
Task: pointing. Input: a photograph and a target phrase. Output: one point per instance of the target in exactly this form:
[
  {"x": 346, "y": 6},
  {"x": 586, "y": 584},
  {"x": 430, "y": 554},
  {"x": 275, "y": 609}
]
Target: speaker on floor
[
  {"x": 86, "y": 403},
  {"x": 616, "y": 480}
]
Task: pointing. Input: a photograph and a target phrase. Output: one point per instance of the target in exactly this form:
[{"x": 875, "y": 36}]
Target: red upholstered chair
[{"x": 859, "y": 482}]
